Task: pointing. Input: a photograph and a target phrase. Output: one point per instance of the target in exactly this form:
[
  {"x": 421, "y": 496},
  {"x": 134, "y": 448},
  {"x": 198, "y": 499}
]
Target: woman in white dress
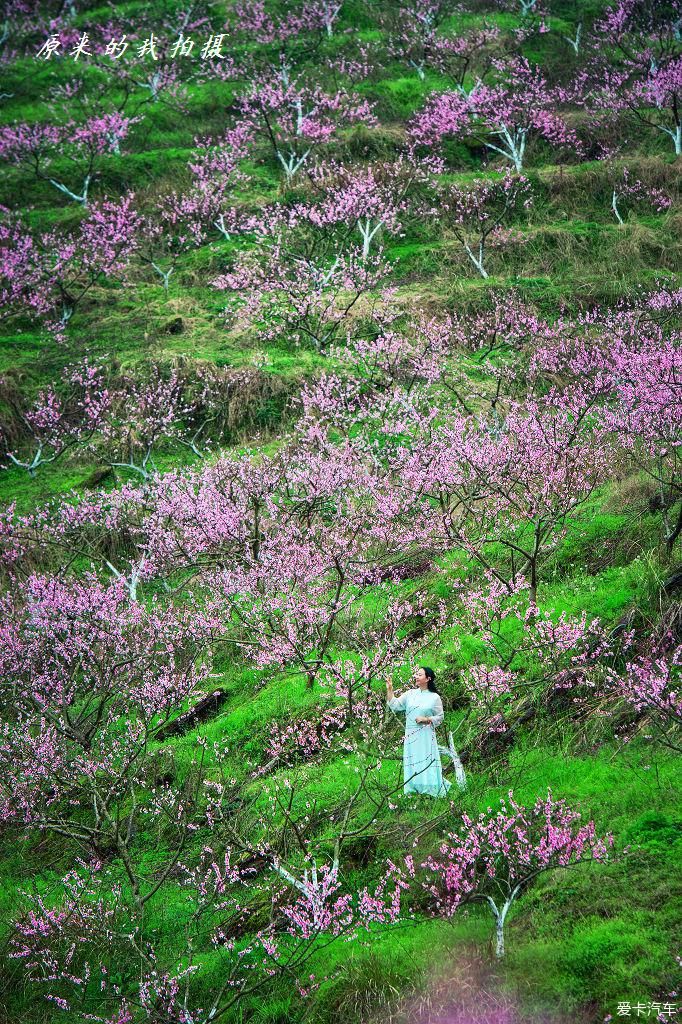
[{"x": 423, "y": 709}]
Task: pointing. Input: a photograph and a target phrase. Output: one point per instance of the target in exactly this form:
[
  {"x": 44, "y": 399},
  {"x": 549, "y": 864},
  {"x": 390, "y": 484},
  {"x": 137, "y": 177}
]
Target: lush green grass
[{"x": 579, "y": 940}]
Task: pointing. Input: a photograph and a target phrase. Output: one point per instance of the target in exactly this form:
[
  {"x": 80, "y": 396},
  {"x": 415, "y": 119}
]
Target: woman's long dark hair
[{"x": 431, "y": 676}]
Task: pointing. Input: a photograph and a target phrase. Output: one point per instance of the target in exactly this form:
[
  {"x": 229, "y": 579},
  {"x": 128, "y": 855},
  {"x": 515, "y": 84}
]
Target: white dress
[{"x": 421, "y": 757}]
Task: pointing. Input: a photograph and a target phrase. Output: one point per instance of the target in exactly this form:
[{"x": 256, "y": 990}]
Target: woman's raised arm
[{"x": 395, "y": 703}]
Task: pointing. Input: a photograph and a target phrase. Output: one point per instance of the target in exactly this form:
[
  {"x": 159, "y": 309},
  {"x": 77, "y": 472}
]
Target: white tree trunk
[
  {"x": 614, "y": 206},
  {"x": 164, "y": 275},
  {"x": 368, "y": 232},
  {"x": 477, "y": 260},
  {"x": 451, "y": 752},
  {"x": 575, "y": 40},
  {"x": 500, "y": 916},
  {"x": 219, "y": 223},
  {"x": 292, "y": 163},
  {"x": 515, "y": 139},
  {"x": 82, "y": 198}
]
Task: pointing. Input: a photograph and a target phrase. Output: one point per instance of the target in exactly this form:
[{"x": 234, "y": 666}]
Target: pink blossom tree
[
  {"x": 416, "y": 38},
  {"x": 251, "y": 19},
  {"x": 650, "y": 685},
  {"x": 401, "y": 364},
  {"x": 302, "y": 297},
  {"x": 405, "y": 350},
  {"x": 60, "y": 419},
  {"x": 370, "y": 199},
  {"x": 80, "y": 660},
  {"x": 624, "y": 189},
  {"x": 495, "y": 858},
  {"x": 506, "y": 485},
  {"x": 147, "y": 410},
  {"x": 639, "y": 76},
  {"x": 357, "y": 716},
  {"x": 102, "y": 247},
  {"x": 642, "y": 31},
  {"x": 162, "y": 84},
  {"x": 295, "y": 599},
  {"x": 48, "y": 275},
  {"x": 501, "y": 117},
  {"x": 297, "y": 119},
  {"x": 531, "y": 657},
  {"x": 35, "y": 146},
  {"x": 76, "y": 948},
  {"x": 477, "y": 213},
  {"x": 216, "y": 173},
  {"x": 630, "y": 371},
  {"x": 24, "y": 284},
  {"x": 176, "y": 226},
  {"x": 649, "y": 98}
]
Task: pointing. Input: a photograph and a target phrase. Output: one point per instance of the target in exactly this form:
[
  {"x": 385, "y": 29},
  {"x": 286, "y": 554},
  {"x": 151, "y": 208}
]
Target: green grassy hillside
[{"x": 579, "y": 940}]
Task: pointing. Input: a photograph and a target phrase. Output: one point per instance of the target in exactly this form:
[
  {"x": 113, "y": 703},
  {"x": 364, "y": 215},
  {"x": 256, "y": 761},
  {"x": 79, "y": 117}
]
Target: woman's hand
[{"x": 423, "y": 719}]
